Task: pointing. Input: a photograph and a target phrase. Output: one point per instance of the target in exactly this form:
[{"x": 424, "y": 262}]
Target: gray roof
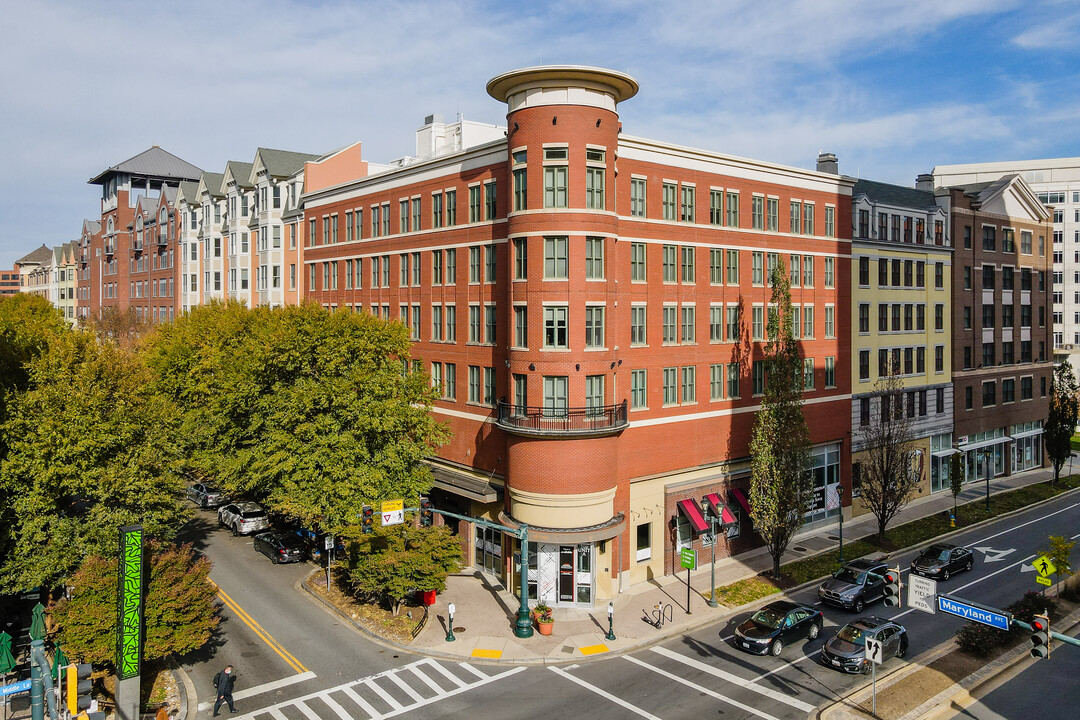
[
  {"x": 94, "y": 226},
  {"x": 190, "y": 190},
  {"x": 169, "y": 191},
  {"x": 888, "y": 194},
  {"x": 298, "y": 211},
  {"x": 155, "y": 163},
  {"x": 241, "y": 173},
  {"x": 38, "y": 257},
  {"x": 147, "y": 205},
  {"x": 212, "y": 181},
  {"x": 283, "y": 163}
]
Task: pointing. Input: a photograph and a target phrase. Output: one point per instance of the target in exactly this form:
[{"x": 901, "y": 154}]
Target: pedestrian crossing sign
[{"x": 1043, "y": 566}]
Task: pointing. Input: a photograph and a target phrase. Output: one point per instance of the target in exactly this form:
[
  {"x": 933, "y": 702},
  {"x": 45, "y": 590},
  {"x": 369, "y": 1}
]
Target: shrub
[
  {"x": 980, "y": 640},
  {"x": 1031, "y": 604}
]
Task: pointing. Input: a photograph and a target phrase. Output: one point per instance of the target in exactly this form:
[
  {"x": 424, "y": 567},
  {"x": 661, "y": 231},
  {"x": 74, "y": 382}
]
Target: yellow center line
[{"x": 258, "y": 629}]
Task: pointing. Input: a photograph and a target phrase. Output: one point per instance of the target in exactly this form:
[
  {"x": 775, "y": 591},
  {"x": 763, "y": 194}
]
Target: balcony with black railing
[{"x": 553, "y": 421}]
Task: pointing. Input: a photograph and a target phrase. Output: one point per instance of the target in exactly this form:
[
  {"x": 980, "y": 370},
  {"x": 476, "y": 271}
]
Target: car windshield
[
  {"x": 769, "y": 617},
  {"x": 852, "y": 634},
  {"x": 850, "y": 575},
  {"x": 253, "y": 514},
  {"x": 936, "y": 553}
]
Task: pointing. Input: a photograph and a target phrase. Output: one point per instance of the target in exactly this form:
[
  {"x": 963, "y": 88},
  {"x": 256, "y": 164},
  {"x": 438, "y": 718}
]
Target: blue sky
[{"x": 893, "y": 87}]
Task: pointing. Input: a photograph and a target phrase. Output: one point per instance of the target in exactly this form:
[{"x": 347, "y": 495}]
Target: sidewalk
[{"x": 485, "y": 611}]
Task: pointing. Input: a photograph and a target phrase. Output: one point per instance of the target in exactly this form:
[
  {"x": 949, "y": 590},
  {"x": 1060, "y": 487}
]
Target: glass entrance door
[
  {"x": 489, "y": 551},
  {"x": 561, "y": 574}
]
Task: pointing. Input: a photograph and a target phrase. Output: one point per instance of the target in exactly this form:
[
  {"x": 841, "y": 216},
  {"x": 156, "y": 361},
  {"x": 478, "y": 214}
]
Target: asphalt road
[{"x": 692, "y": 676}]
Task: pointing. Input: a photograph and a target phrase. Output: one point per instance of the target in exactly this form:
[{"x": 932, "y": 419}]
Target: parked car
[
  {"x": 847, "y": 649},
  {"x": 279, "y": 546},
  {"x": 941, "y": 560},
  {"x": 206, "y": 496},
  {"x": 855, "y": 585},
  {"x": 776, "y": 625},
  {"x": 243, "y": 517}
]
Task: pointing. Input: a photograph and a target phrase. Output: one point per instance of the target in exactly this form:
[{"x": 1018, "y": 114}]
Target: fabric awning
[
  {"x": 692, "y": 512},
  {"x": 720, "y": 509},
  {"x": 741, "y": 500},
  {"x": 947, "y": 452}
]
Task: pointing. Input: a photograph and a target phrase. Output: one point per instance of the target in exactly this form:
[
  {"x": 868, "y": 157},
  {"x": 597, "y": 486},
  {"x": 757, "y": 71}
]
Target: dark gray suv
[{"x": 855, "y": 585}]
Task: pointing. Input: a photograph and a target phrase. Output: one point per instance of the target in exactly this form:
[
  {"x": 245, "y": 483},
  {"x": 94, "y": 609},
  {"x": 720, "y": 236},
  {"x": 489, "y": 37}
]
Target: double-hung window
[
  {"x": 555, "y": 177},
  {"x": 555, "y": 327},
  {"x": 555, "y": 258},
  {"x": 595, "y": 174}
]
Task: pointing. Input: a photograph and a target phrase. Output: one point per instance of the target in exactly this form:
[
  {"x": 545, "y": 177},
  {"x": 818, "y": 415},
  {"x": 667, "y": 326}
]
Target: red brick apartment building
[
  {"x": 128, "y": 260},
  {"x": 1001, "y": 343},
  {"x": 591, "y": 306}
]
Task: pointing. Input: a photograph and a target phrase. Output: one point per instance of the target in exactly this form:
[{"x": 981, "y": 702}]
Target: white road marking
[
  {"x": 396, "y": 679},
  {"x": 426, "y": 680},
  {"x": 702, "y": 689},
  {"x": 735, "y": 679},
  {"x": 341, "y": 713},
  {"x": 604, "y": 694},
  {"x": 992, "y": 555},
  {"x": 308, "y": 712},
  {"x": 385, "y": 696},
  {"x": 471, "y": 669},
  {"x": 259, "y": 689},
  {"x": 368, "y": 708}
]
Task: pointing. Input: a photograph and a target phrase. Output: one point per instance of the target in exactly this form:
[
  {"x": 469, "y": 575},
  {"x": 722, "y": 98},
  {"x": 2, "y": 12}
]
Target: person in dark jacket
[{"x": 224, "y": 681}]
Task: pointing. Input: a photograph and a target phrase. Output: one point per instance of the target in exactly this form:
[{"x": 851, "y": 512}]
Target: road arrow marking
[
  {"x": 1027, "y": 568},
  {"x": 992, "y": 555}
]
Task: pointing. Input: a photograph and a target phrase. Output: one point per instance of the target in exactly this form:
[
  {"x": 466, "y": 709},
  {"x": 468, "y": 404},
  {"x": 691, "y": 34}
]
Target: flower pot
[{"x": 544, "y": 627}]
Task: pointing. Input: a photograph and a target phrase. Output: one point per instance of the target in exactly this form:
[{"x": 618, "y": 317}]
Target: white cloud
[{"x": 1059, "y": 32}]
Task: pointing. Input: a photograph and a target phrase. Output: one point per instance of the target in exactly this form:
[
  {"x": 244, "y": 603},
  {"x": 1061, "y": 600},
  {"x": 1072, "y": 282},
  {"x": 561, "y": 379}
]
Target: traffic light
[
  {"x": 892, "y": 587},
  {"x": 426, "y": 515},
  {"x": 1040, "y": 637},
  {"x": 77, "y": 687},
  {"x": 367, "y": 517}
]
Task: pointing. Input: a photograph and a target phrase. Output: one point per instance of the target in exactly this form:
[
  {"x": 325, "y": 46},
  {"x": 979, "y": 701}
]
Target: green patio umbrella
[
  {"x": 59, "y": 661},
  {"x": 7, "y": 660},
  {"x": 37, "y": 627}
]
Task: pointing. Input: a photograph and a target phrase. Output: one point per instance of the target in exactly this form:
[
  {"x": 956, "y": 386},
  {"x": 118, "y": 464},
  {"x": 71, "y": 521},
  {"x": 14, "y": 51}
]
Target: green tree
[
  {"x": 394, "y": 560},
  {"x": 956, "y": 477},
  {"x": 180, "y": 613},
  {"x": 91, "y": 448},
  {"x": 27, "y": 324},
  {"x": 1064, "y": 413},
  {"x": 889, "y": 479},
  {"x": 781, "y": 487},
  {"x": 316, "y": 413},
  {"x": 1059, "y": 552}
]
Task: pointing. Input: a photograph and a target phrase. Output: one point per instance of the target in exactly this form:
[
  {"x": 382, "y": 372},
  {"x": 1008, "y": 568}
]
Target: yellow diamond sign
[{"x": 1043, "y": 566}]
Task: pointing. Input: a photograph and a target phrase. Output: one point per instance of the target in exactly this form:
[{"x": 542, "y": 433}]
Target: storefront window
[{"x": 825, "y": 462}]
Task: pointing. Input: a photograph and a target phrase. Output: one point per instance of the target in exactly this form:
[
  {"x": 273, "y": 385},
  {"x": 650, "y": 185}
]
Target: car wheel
[
  {"x": 236, "y": 529},
  {"x": 945, "y": 574},
  {"x": 967, "y": 567},
  {"x": 274, "y": 559},
  {"x": 815, "y": 630},
  {"x": 777, "y": 647},
  {"x": 859, "y": 605},
  {"x": 901, "y": 651}
]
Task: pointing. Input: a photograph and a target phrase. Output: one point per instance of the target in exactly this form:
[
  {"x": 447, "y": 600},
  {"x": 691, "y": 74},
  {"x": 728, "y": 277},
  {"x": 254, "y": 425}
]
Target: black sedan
[
  {"x": 206, "y": 496},
  {"x": 280, "y": 547},
  {"x": 778, "y": 624},
  {"x": 847, "y": 649},
  {"x": 941, "y": 560}
]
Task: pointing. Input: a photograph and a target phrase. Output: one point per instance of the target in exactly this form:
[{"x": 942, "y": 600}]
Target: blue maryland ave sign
[{"x": 975, "y": 613}]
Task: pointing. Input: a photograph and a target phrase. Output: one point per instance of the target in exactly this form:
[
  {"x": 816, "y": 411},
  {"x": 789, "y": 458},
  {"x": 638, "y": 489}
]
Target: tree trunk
[
  {"x": 776, "y": 566},
  {"x": 881, "y": 529}
]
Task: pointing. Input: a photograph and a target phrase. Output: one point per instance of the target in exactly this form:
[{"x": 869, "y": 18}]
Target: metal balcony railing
[{"x": 558, "y": 421}]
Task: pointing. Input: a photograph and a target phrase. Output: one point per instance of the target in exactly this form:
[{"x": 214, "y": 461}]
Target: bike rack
[{"x": 659, "y": 614}]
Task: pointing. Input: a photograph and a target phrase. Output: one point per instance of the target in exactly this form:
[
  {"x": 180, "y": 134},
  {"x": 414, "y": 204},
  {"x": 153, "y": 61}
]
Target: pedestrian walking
[
  {"x": 223, "y": 683},
  {"x": 162, "y": 712}
]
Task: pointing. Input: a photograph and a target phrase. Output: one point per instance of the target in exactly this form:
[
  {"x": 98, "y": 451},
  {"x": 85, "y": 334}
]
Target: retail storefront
[
  {"x": 1027, "y": 445},
  {"x": 983, "y": 449},
  {"x": 825, "y": 463},
  {"x": 941, "y": 452}
]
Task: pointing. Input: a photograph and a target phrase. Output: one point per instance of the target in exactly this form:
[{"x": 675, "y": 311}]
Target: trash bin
[{"x": 427, "y": 597}]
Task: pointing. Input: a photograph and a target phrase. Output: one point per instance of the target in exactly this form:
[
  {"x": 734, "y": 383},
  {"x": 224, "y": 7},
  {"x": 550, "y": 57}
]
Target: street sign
[
  {"x": 1043, "y": 566},
  {"x": 873, "y": 650},
  {"x": 688, "y": 558},
  {"x": 15, "y": 688},
  {"x": 1044, "y": 581},
  {"x": 393, "y": 512},
  {"x": 921, "y": 592},
  {"x": 976, "y": 613},
  {"x": 708, "y": 539},
  {"x": 329, "y": 542}
]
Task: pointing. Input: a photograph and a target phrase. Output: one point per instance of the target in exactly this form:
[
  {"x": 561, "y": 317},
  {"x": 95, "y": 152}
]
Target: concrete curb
[{"x": 188, "y": 710}]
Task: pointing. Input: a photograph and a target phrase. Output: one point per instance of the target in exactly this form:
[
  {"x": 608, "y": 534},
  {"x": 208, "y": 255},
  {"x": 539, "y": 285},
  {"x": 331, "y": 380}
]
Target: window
[
  {"x": 669, "y": 325},
  {"x": 637, "y": 262},
  {"x": 474, "y": 324},
  {"x": 716, "y": 269},
  {"x": 688, "y": 322},
  {"x": 733, "y": 267},
  {"x": 796, "y": 271},
  {"x": 474, "y": 204},
  {"x": 864, "y": 364},
  {"x": 864, "y": 272},
  {"x": 883, "y": 273},
  {"x": 416, "y": 214},
  {"x": 757, "y": 323},
  {"x": 1025, "y": 242},
  {"x": 796, "y": 217},
  {"x": 521, "y": 258},
  {"x": 830, "y": 371},
  {"x": 689, "y": 384},
  {"x": 637, "y": 389},
  {"x": 451, "y": 266},
  {"x": 732, "y": 323},
  {"x": 555, "y": 178},
  {"x": 733, "y": 209},
  {"x": 1026, "y": 388},
  {"x": 451, "y": 323},
  {"x": 716, "y": 207},
  {"x": 716, "y": 381},
  {"x": 489, "y": 203},
  {"x": 489, "y": 386},
  {"x": 489, "y": 324},
  {"x": 474, "y": 264},
  {"x": 436, "y": 211},
  {"x": 883, "y": 226},
  {"x": 403, "y": 220},
  {"x": 939, "y": 358},
  {"x": 808, "y": 219},
  {"x": 757, "y": 212},
  {"x": 594, "y": 394},
  {"x": 671, "y": 376},
  {"x": 808, "y": 270},
  {"x": 808, "y": 373},
  {"x": 555, "y": 324},
  {"x": 830, "y": 221},
  {"x": 830, "y": 278},
  {"x": 772, "y": 214},
  {"x": 989, "y": 394},
  {"x": 864, "y": 223},
  {"x": 521, "y": 326},
  {"x": 686, "y": 207},
  {"x": 1008, "y": 241},
  {"x": 1008, "y": 390},
  {"x": 669, "y": 254},
  {"x": 490, "y": 255},
  {"x": 864, "y": 317},
  {"x": 688, "y": 265},
  {"x": 808, "y": 321},
  {"x": 758, "y": 377},
  {"x": 989, "y": 240},
  {"x": 733, "y": 380},
  {"x": 594, "y": 326},
  {"x": 451, "y": 208},
  {"x": 555, "y": 260},
  {"x": 474, "y": 383},
  {"x": 637, "y": 197},
  {"x": 668, "y": 199},
  {"x": 637, "y": 325},
  {"x": 594, "y": 258},
  {"x": 829, "y": 321},
  {"x": 757, "y": 268}
]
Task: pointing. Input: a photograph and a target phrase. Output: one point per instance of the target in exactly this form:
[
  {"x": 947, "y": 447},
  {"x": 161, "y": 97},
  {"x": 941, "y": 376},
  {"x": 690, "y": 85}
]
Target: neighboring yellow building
[
  {"x": 901, "y": 318},
  {"x": 65, "y": 258}
]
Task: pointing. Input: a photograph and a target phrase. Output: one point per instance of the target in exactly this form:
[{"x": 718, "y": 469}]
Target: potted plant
[{"x": 544, "y": 618}]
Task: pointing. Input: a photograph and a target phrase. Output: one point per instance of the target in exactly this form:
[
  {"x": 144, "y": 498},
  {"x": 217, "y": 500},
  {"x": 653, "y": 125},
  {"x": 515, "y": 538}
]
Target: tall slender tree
[
  {"x": 890, "y": 477},
  {"x": 1064, "y": 412},
  {"x": 781, "y": 486}
]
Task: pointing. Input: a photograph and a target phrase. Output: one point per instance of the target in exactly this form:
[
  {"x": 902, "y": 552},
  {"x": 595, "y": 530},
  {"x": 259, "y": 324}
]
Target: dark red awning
[
  {"x": 691, "y": 511},
  {"x": 720, "y": 509},
  {"x": 740, "y": 499}
]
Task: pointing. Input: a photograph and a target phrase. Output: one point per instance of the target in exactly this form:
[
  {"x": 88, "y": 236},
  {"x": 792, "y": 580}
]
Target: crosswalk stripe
[
  {"x": 332, "y": 704},
  {"x": 473, "y": 670},
  {"x": 311, "y": 714},
  {"x": 355, "y": 697},
  {"x": 396, "y": 679},
  {"x": 277, "y": 714},
  {"x": 383, "y": 694},
  {"x": 608, "y": 696},
  {"x": 702, "y": 689},
  {"x": 426, "y": 680},
  {"x": 453, "y": 678},
  {"x": 735, "y": 679}
]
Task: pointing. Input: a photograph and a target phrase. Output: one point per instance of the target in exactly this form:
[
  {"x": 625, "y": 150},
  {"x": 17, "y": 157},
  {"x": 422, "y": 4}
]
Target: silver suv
[{"x": 243, "y": 518}]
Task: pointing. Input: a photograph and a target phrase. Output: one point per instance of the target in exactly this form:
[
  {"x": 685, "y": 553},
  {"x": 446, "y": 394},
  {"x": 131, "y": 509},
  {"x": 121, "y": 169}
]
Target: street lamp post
[
  {"x": 450, "y": 623},
  {"x": 610, "y": 621},
  {"x": 989, "y": 454},
  {"x": 840, "y": 502},
  {"x": 712, "y": 567}
]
